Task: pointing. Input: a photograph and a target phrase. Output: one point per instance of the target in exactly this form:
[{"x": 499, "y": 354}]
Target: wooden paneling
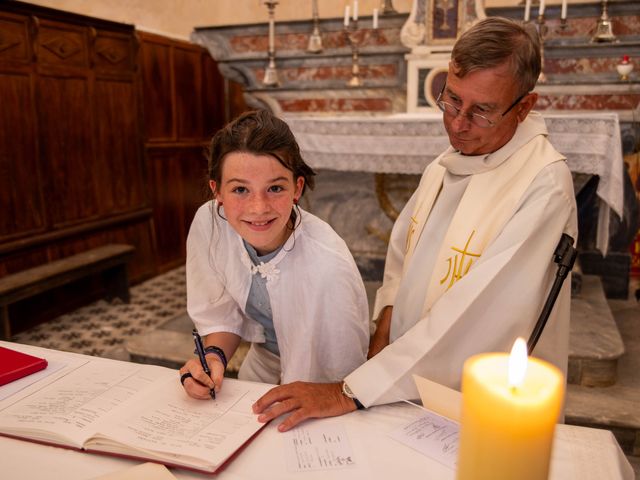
[
  {"x": 191, "y": 89},
  {"x": 71, "y": 146},
  {"x": 62, "y": 44},
  {"x": 14, "y": 39},
  {"x": 188, "y": 92},
  {"x": 114, "y": 53},
  {"x": 66, "y": 150},
  {"x": 20, "y": 187},
  {"x": 102, "y": 138},
  {"x": 118, "y": 149},
  {"x": 157, "y": 74}
]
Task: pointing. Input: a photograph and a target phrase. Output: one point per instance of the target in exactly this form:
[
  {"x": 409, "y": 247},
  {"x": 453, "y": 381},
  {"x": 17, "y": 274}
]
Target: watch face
[{"x": 346, "y": 390}]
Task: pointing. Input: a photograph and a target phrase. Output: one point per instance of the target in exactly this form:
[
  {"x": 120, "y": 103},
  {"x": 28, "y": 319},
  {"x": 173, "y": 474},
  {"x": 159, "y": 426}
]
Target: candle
[
  {"x": 355, "y": 10},
  {"x": 527, "y": 10},
  {"x": 375, "y": 18},
  {"x": 346, "y": 16},
  {"x": 508, "y": 418},
  {"x": 563, "y": 12},
  {"x": 272, "y": 34},
  {"x": 541, "y": 8}
]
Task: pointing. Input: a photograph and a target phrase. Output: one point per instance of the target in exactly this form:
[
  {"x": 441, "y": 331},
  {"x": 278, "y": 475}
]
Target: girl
[{"x": 261, "y": 268}]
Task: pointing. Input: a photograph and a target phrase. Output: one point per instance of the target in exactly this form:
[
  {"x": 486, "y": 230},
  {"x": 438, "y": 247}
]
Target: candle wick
[{"x": 514, "y": 389}]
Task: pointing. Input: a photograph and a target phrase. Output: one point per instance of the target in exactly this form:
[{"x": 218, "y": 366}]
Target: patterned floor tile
[{"x": 103, "y": 326}]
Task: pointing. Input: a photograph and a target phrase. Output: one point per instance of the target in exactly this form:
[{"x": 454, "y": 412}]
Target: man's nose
[{"x": 461, "y": 121}]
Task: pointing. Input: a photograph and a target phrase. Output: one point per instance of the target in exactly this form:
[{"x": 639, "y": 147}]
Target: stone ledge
[
  {"x": 595, "y": 344},
  {"x": 172, "y": 349}
]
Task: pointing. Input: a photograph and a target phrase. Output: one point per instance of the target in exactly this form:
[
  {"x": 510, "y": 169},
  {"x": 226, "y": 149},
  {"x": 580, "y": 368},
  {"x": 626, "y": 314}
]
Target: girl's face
[{"x": 257, "y": 193}]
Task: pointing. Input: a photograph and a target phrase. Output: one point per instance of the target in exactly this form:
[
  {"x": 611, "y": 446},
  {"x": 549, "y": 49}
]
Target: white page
[
  {"x": 317, "y": 446},
  {"x": 432, "y": 435},
  {"x": 16, "y": 386},
  {"x": 71, "y": 405},
  {"x": 166, "y": 420}
]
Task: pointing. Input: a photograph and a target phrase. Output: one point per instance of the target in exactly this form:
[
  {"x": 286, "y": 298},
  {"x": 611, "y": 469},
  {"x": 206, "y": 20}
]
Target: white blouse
[{"x": 318, "y": 299}]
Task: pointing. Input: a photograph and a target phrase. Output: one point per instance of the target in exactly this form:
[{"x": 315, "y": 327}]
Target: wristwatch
[{"x": 346, "y": 391}]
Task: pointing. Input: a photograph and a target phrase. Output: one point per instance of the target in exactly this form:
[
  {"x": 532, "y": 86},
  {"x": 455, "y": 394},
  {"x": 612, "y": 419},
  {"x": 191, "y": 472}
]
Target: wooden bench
[{"x": 109, "y": 260}]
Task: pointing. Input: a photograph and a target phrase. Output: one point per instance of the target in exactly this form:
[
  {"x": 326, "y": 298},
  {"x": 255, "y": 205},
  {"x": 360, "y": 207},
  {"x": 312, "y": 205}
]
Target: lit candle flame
[{"x": 518, "y": 363}]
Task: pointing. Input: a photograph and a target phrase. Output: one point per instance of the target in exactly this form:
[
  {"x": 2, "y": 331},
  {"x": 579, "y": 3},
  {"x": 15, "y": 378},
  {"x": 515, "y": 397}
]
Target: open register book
[{"x": 133, "y": 410}]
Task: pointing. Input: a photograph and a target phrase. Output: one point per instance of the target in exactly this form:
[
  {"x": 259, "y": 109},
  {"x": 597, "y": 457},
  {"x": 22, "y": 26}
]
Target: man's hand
[
  {"x": 304, "y": 400},
  {"x": 380, "y": 338}
]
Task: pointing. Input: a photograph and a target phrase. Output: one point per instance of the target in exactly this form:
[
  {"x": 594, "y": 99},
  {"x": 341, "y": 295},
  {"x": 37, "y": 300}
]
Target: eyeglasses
[{"x": 475, "y": 118}]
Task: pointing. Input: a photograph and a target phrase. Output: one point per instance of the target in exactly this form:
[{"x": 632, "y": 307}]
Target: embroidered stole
[{"x": 488, "y": 203}]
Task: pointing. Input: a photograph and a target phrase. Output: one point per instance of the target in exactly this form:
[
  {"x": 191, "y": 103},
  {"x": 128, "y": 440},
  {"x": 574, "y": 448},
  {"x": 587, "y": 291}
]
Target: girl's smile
[{"x": 257, "y": 193}]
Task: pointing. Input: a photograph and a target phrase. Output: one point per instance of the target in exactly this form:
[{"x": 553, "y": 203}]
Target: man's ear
[{"x": 526, "y": 105}]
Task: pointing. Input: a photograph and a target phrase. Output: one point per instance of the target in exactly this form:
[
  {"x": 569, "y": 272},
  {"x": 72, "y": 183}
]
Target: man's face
[{"x": 489, "y": 93}]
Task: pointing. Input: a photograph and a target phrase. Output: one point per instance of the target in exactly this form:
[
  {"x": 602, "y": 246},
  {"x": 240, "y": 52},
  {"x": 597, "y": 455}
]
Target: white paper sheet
[
  {"x": 432, "y": 435},
  {"x": 317, "y": 446}
]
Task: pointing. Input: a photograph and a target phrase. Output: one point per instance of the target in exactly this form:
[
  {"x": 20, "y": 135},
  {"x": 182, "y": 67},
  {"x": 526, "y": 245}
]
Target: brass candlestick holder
[
  {"x": 542, "y": 28},
  {"x": 387, "y": 8},
  {"x": 315, "y": 39},
  {"x": 543, "y": 32},
  {"x": 604, "y": 28},
  {"x": 353, "y": 39},
  {"x": 271, "y": 73}
]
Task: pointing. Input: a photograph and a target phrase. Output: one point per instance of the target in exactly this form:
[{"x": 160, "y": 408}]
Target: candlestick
[
  {"x": 271, "y": 73},
  {"x": 351, "y": 34},
  {"x": 387, "y": 8},
  {"x": 315, "y": 39},
  {"x": 542, "y": 29},
  {"x": 527, "y": 10},
  {"x": 507, "y": 428}
]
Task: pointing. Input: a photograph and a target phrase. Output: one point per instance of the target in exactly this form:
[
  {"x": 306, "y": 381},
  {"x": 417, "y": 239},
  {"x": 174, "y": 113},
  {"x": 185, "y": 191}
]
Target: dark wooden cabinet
[
  {"x": 183, "y": 107},
  {"x": 71, "y": 150},
  {"x": 72, "y": 168},
  {"x": 103, "y": 132}
]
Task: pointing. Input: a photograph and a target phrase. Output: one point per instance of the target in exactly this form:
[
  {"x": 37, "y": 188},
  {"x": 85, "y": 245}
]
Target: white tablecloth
[
  {"x": 407, "y": 143},
  {"x": 578, "y": 453}
]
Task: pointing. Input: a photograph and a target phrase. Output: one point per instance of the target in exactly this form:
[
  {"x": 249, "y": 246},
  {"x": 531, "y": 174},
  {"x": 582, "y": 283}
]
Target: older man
[{"x": 469, "y": 263}]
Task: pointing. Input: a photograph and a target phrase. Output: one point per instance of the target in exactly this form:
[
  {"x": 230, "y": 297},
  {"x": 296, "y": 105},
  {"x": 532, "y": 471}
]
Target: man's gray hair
[{"x": 495, "y": 41}]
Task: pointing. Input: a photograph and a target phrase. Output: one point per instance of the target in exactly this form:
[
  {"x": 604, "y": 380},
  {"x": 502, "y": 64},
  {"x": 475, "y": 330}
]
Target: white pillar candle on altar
[
  {"x": 527, "y": 10},
  {"x": 346, "y": 16},
  {"x": 541, "y": 8},
  {"x": 510, "y": 406},
  {"x": 355, "y": 10},
  {"x": 375, "y": 18},
  {"x": 563, "y": 12}
]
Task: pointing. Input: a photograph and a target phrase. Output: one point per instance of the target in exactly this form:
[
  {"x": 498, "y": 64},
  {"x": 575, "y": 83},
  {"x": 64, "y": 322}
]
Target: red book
[{"x": 15, "y": 365}]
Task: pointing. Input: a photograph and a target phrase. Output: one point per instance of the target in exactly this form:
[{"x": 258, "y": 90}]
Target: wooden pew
[{"x": 108, "y": 260}]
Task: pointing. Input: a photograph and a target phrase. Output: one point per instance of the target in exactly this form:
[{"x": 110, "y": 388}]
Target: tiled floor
[{"x": 103, "y": 328}]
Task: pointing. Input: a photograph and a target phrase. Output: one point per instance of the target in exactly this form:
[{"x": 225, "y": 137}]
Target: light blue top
[{"x": 258, "y": 303}]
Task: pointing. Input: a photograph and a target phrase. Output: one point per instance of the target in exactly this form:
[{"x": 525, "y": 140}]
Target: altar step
[{"x": 615, "y": 407}]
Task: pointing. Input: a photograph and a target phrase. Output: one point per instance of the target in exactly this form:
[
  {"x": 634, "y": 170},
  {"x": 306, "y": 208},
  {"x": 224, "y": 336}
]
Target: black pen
[{"x": 203, "y": 360}]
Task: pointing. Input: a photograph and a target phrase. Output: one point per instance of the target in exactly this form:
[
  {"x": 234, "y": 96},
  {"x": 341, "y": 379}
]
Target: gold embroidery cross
[
  {"x": 457, "y": 269},
  {"x": 411, "y": 230}
]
